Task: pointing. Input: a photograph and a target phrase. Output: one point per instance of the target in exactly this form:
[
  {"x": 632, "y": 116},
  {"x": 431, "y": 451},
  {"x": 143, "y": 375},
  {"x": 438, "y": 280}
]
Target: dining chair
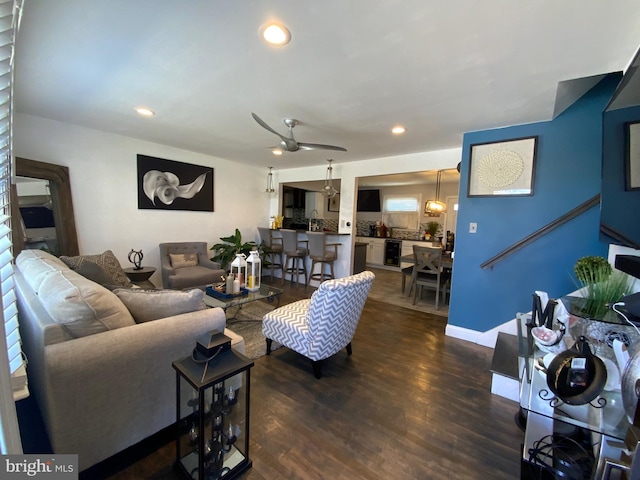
[{"x": 428, "y": 272}]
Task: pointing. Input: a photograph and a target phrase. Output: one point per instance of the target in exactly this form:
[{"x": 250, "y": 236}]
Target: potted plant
[
  {"x": 433, "y": 228},
  {"x": 601, "y": 287},
  {"x": 224, "y": 253}
]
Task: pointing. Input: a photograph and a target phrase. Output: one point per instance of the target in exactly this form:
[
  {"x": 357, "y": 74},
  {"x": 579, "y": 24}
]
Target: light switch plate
[{"x": 473, "y": 227}]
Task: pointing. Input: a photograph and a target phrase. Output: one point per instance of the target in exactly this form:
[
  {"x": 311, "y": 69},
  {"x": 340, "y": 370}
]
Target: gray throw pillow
[
  {"x": 145, "y": 305},
  {"x": 96, "y": 273},
  {"x": 107, "y": 261}
]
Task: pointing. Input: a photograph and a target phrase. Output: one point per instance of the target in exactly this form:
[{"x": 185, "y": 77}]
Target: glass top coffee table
[{"x": 268, "y": 292}]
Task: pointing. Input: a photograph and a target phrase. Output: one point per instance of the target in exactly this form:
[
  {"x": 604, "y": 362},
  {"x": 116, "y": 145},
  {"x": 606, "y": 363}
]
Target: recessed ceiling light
[
  {"x": 276, "y": 151},
  {"x": 276, "y": 34},
  {"x": 145, "y": 112},
  {"x": 398, "y": 130}
]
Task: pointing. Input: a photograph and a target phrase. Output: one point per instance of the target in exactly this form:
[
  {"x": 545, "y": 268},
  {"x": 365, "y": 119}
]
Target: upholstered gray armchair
[
  {"x": 187, "y": 265},
  {"x": 323, "y": 325}
]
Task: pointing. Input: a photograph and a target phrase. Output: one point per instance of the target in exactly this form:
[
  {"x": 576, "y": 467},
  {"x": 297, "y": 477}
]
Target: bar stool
[
  {"x": 295, "y": 253},
  {"x": 273, "y": 248},
  {"x": 321, "y": 253}
]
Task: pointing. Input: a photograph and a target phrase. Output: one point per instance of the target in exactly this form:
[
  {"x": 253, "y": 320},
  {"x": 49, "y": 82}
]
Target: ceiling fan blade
[
  {"x": 267, "y": 127},
  {"x": 318, "y": 146}
]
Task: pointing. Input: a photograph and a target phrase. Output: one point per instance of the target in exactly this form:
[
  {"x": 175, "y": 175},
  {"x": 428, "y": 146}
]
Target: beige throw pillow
[
  {"x": 145, "y": 305},
  {"x": 180, "y": 260},
  {"x": 107, "y": 261}
]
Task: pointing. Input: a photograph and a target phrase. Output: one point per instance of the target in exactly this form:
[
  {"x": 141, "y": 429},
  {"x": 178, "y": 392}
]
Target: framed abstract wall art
[
  {"x": 632, "y": 160},
  {"x": 170, "y": 185},
  {"x": 504, "y": 168}
]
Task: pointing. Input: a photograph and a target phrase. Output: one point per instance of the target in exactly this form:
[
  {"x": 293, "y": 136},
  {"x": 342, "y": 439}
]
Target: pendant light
[
  {"x": 270, "y": 188},
  {"x": 433, "y": 208},
  {"x": 329, "y": 190}
]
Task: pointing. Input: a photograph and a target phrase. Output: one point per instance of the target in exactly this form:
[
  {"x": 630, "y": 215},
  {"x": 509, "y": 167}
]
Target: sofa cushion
[
  {"x": 181, "y": 260},
  {"x": 109, "y": 263},
  {"x": 83, "y": 307},
  {"x": 146, "y": 305},
  {"x": 36, "y": 266}
]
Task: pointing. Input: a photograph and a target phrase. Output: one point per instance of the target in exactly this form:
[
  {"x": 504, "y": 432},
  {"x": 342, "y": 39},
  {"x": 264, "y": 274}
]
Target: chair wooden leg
[
  {"x": 317, "y": 368},
  {"x": 269, "y": 341},
  {"x": 349, "y": 351}
]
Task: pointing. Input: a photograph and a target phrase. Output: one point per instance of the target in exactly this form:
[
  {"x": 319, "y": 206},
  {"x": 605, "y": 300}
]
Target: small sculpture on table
[{"x": 135, "y": 257}]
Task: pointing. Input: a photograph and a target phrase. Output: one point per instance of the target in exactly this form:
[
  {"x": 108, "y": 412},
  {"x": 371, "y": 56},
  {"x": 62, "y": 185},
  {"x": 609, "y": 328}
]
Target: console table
[{"x": 561, "y": 435}]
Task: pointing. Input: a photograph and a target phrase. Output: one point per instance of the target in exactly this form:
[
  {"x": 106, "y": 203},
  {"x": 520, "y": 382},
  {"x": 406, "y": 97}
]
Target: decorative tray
[{"x": 213, "y": 292}]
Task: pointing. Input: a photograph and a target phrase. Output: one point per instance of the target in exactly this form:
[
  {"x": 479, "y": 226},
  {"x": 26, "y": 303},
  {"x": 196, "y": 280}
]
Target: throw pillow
[
  {"x": 180, "y": 260},
  {"x": 96, "y": 273},
  {"x": 107, "y": 261},
  {"x": 145, "y": 305}
]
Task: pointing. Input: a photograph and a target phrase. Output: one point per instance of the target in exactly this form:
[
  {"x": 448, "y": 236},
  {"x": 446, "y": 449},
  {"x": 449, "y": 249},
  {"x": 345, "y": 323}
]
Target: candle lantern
[
  {"x": 254, "y": 271},
  {"x": 212, "y": 414},
  {"x": 239, "y": 269}
]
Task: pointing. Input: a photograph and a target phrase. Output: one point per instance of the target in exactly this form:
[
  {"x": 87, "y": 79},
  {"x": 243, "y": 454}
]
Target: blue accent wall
[
  {"x": 619, "y": 207},
  {"x": 567, "y": 173}
]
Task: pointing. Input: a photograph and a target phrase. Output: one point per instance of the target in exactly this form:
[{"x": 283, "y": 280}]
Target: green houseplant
[
  {"x": 433, "y": 228},
  {"x": 600, "y": 286},
  {"x": 225, "y": 252}
]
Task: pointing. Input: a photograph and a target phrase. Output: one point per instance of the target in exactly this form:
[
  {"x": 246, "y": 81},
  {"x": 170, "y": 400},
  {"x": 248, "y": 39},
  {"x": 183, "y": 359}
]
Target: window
[{"x": 401, "y": 203}]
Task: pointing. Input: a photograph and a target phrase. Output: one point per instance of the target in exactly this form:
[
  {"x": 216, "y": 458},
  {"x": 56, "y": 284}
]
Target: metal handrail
[{"x": 579, "y": 210}]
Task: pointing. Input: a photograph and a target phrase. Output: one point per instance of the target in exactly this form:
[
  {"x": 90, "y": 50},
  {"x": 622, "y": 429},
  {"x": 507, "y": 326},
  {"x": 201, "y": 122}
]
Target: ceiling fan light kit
[{"x": 289, "y": 143}]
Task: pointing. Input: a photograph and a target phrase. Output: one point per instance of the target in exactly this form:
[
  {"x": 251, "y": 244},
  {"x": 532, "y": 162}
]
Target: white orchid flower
[{"x": 166, "y": 186}]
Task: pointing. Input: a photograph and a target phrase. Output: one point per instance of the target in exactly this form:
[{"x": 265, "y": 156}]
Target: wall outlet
[{"x": 473, "y": 227}]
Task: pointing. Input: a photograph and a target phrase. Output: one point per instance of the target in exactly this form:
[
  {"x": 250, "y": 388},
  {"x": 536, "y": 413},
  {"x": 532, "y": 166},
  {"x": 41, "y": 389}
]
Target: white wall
[{"x": 102, "y": 167}]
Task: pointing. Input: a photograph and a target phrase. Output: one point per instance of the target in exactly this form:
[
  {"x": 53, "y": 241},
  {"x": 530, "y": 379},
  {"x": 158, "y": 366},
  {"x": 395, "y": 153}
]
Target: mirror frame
[{"x": 63, "y": 215}]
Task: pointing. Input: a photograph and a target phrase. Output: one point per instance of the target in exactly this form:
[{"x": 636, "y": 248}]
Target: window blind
[{"x": 8, "y": 27}]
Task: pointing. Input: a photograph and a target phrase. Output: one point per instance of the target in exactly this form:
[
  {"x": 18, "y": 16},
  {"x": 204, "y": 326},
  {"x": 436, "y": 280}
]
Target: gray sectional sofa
[{"x": 103, "y": 382}]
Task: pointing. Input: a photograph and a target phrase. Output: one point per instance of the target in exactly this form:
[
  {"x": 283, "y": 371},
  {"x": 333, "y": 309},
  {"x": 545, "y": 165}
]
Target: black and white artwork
[{"x": 170, "y": 185}]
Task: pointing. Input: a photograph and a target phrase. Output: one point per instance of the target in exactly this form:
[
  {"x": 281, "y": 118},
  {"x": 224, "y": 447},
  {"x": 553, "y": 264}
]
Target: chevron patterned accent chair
[{"x": 323, "y": 325}]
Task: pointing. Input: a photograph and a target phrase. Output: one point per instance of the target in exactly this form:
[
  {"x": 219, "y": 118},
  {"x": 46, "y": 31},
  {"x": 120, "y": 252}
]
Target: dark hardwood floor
[{"x": 410, "y": 403}]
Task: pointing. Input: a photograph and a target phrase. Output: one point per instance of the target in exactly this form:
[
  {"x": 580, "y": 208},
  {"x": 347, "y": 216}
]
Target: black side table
[{"x": 141, "y": 276}]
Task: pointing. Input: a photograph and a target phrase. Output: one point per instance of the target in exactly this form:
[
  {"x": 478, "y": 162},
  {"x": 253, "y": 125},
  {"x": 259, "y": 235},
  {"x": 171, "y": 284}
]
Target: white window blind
[
  {"x": 8, "y": 26},
  {"x": 401, "y": 203}
]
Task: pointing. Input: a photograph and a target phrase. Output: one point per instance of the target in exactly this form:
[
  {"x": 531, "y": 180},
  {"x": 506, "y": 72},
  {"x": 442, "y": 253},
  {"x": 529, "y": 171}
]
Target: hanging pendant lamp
[
  {"x": 270, "y": 188},
  {"x": 329, "y": 189},
  {"x": 433, "y": 208}
]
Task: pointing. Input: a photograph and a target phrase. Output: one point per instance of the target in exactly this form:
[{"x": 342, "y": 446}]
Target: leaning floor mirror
[{"x": 42, "y": 214}]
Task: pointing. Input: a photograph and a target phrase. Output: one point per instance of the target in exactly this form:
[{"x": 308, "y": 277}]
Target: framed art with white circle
[
  {"x": 504, "y": 168},
  {"x": 632, "y": 166}
]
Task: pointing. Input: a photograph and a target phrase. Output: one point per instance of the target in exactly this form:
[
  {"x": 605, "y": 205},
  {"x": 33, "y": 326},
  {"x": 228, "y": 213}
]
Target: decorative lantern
[
  {"x": 254, "y": 271},
  {"x": 213, "y": 411},
  {"x": 239, "y": 269}
]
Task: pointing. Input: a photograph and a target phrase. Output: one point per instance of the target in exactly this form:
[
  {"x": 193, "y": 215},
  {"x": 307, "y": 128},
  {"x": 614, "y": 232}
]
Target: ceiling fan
[{"x": 289, "y": 144}]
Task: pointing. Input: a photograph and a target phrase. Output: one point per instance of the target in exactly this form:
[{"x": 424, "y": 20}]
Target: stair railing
[{"x": 507, "y": 252}]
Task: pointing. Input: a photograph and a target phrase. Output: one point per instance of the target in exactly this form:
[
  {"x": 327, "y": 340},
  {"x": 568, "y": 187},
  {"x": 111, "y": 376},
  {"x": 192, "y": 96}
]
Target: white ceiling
[{"x": 352, "y": 69}]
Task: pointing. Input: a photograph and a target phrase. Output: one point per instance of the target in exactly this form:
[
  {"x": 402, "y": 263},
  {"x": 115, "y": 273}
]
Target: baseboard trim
[{"x": 486, "y": 339}]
